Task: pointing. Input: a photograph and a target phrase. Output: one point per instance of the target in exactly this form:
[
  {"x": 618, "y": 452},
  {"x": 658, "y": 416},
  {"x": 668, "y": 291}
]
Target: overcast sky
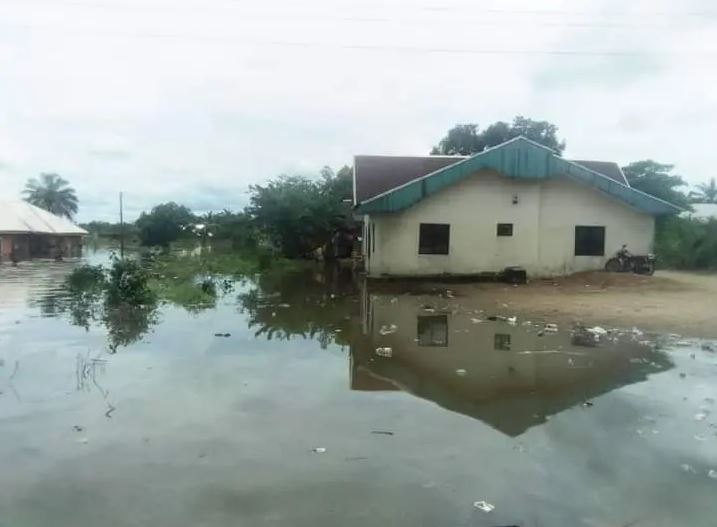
[{"x": 194, "y": 100}]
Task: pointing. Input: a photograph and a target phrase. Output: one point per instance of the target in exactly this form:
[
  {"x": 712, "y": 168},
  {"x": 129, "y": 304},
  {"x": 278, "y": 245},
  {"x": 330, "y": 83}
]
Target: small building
[
  {"x": 518, "y": 204},
  {"x": 27, "y": 231}
]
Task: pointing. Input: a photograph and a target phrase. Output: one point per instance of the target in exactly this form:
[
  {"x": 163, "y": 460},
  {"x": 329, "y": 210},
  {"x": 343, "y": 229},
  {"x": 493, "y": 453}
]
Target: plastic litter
[
  {"x": 461, "y": 372},
  {"x": 700, "y": 438},
  {"x": 476, "y": 320},
  {"x": 512, "y": 320},
  {"x": 701, "y": 416},
  {"x": 637, "y": 332},
  {"x": 484, "y": 506},
  {"x": 384, "y": 352},
  {"x": 83, "y": 440},
  {"x": 382, "y": 432},
  {"x": 597, "y": 330},
  {"x": 551, "y": 328},
  {"x": 712, "y": 473},
  {"x": 708, "y": 346},
  {"x": 284, "y": 305},
  {"x": 387, "y": 330},
  {"x": 588, "y": 404},
  {"x": 223, "y": 335},
  {"x": 78, "y": 428},
  {"x": 688, "y": 468},
  {"x": 319, "y": 450}
]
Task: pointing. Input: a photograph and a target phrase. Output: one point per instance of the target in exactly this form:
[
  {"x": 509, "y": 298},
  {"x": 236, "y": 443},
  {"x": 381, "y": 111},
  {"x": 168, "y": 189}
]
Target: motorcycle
[{"x": 628, "y": 263}]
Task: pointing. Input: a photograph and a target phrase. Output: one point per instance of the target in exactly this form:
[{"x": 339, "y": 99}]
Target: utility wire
[{"x": 74, "y": 32}]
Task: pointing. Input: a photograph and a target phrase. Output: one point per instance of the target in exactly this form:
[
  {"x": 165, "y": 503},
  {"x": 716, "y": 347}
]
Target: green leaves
[
  {"x": 52, "y": 193},
  {"x": 467, "y": 139},
  {"x": 656, "y": 179}
]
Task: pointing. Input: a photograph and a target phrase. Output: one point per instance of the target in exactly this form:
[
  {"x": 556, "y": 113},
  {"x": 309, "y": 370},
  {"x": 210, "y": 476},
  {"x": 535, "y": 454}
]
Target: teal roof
[{"x": 519, "y": 158}]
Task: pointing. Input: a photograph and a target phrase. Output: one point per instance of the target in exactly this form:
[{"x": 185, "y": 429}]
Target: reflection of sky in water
[{"x": 219, "y": 430}]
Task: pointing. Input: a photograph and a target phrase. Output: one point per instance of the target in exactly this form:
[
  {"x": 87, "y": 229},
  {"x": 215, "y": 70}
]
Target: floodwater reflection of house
[
  {"x": 518, "y": 204},
  {"x": 504, "y": 375},
  {"x": 27, "y": 232}
]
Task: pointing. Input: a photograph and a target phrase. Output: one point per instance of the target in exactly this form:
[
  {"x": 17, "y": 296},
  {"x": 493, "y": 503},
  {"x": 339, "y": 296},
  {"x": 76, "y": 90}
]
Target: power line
[
  {"x": 74, "y": 32},
  {"x": 204, "y": 6}
]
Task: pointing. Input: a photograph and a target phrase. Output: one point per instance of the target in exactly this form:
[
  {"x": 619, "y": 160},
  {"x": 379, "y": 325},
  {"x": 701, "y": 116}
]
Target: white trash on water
[
  {"x": 712, "y": 473},
  {"x": 384, "y": 352},
  {"x": 461, "y": 372},
  {"x": 387, "y": 330},
  {"x": 319, "y": 450},
  {"x": 688, "y": 468},
  {"x": 597, "y": 330},
  {"x": 512, "y": 320},
  {"x": 484, "y": 506},
  {"x": 701, "y": 416},
  {"x": 551, "y": 328}
]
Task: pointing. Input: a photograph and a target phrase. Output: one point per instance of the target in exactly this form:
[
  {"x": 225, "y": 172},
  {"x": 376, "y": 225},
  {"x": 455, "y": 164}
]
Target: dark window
[
  {"x": 501, "y": 341},
  {"x": 504, "y": 229},
  {"x": 433, "y": 331},
  {"x": 589, "y": 241},
  {"x": 433, "y": 238}
]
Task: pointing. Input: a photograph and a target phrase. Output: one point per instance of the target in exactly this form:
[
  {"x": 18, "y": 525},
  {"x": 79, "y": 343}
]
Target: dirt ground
[{"x": 668, "y": 302}]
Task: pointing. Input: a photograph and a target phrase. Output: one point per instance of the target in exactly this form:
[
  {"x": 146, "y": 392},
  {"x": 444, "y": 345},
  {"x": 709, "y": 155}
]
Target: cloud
[{"x": 194, "y": 102}]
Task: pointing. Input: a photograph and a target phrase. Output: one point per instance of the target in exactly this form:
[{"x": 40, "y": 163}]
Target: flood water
[{"x": 328, "y": 402}]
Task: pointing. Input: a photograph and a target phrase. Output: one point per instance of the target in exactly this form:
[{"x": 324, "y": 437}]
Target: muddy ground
[{"x": 674, "y": 302}]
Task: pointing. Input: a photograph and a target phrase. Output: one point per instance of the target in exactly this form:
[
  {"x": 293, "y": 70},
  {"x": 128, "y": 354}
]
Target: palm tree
[
  {"x": 52, "y": 193},
  {"x": 707, "y": 192}
]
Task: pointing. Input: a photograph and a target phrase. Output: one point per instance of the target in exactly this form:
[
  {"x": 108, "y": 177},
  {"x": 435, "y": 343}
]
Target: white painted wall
[{"x": 543, "y": 234}]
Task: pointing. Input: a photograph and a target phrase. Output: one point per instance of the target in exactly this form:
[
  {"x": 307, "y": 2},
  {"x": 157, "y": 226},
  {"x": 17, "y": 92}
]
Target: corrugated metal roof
[
  {"x": 518, "y": 158},
  {"x": 606, "y": 168},
  {"x": 22, "y": 217},
  {"x": 377, "y": 174}
]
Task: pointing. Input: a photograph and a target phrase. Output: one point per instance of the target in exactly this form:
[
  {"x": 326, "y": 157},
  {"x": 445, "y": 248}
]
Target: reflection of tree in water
[
  {"x": 312, "y": 304},
  {"x": 87, "y": 306}
]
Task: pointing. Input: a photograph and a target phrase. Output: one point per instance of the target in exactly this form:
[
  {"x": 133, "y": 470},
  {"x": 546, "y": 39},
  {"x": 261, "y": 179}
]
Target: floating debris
[
  {"x": 597, "y": 330},
  {"x": 551, "y": 328},
  {"x": 708, "y": 346},
  {"x": 382, "y": 432},
  {"x": 461, "y": 372},
  {"x": 284, "y": 305},
  {"x": 484, "y": 506},
  {"x": 588, "y": 404},
  {"x": 476, "y": 320},
  {"x": 225, "y": 335},
  {"x": 387, "y": 330},
  {"x": 83, "y": 440},
  {"x": 688, "y": 468},
  {"x": 700, "y": 438},
  {"x": 78, "y": 428},
  {"x": 712, "y": 473},
  {"x": 701, "y": 416},
  {"x": 319, "y": 450},
  {"x": 384, "y": 352},
  {"x": 512, "y": 320}
]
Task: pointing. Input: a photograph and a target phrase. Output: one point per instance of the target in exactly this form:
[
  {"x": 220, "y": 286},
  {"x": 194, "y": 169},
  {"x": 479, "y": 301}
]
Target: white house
[{"x": 518, "y": 204}]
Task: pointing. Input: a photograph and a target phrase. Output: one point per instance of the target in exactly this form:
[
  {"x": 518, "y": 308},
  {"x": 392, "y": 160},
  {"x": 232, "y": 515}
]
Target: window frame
[
  {"x": 435, "y": 248},
  {"x": 500, "y": 234},
  {"x": 582, "y": 246}
]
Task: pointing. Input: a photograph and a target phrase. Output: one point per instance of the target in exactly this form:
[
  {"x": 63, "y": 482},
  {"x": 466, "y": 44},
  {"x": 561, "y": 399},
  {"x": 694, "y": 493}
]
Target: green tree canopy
[
  {"x": 298, "y": 214},
  {"x": 658, "y": 180},
  {"x": 164, "y": 224},
  {"x": 467, "y": 139},
  {"x": 52, "y": 193},
  {"x": 706, "y": 192}
]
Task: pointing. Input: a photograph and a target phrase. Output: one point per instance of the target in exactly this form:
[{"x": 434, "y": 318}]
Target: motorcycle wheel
[
  {"x": 613, "y": 265},
  {"x": 649, "y": 268}
]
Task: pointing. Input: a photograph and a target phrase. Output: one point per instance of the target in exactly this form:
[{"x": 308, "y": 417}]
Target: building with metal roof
[
  {"x": 27, "y": 231},
  {"x": 518, "y": 204}
]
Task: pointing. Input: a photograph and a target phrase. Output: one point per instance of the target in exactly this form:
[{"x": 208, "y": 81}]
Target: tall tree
[
  {"x": 163, "y": 224},
  {"x": 706, "y": 192},
  {"x": 52, "y": 193},
  {"x": 658, "y": 180},
  {"x": 298, "y": 214},
  {"x": 467, "y": 139}
]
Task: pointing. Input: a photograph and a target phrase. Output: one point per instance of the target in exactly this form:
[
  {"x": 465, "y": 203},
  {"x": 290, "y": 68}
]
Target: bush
[
  {"x": 128, "y": 283},
  {"x": 164, "y": 224},
  {"x": 686, "y": 243},
  {"x": 87, "y": 278}
]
